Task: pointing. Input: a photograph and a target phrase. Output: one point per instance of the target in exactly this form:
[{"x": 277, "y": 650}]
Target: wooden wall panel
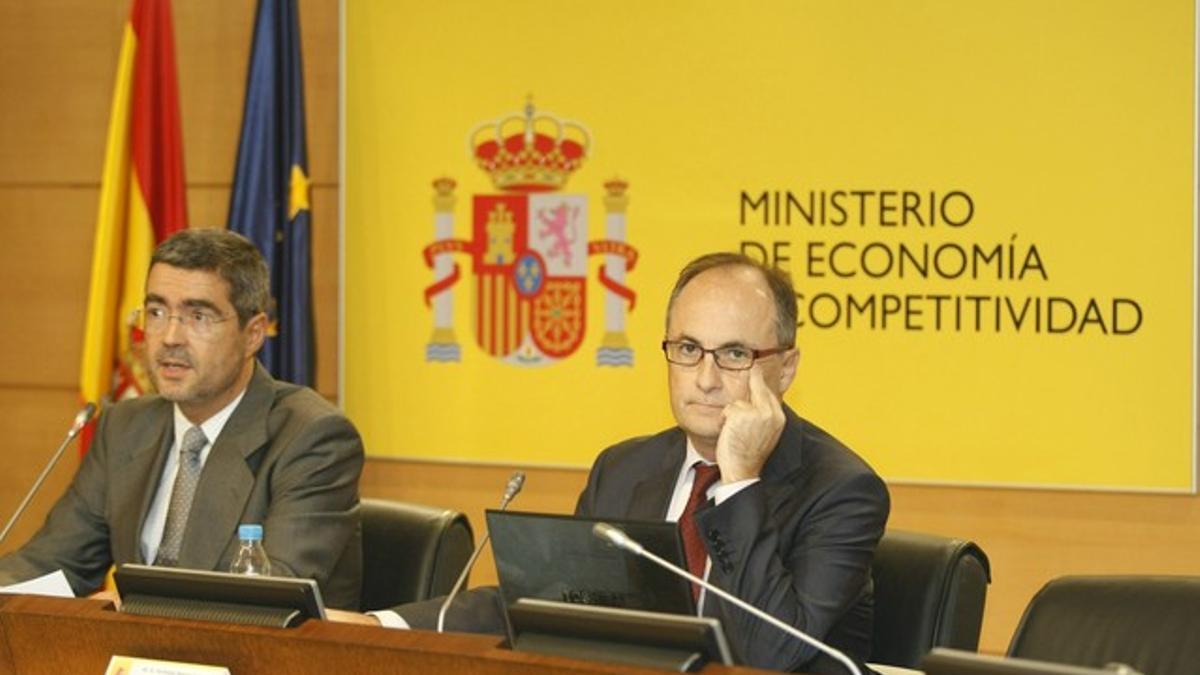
[
  {"x": 319, "y": 25},
  {"x": 212, "y": 55},
  {"x": 44, "y": 261},
  {"x": 325, "y": 286},
  {"x": 34, "y": 422},
  {"x": 1034, "y": 536},
  {"x": 208, "y": 204},
  {"x": 212, "y": 46},
  {"x": 57, "y": 66}
]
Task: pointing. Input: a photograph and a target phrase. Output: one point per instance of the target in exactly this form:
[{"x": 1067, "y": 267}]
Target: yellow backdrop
[{"x": 988, "y": 210}]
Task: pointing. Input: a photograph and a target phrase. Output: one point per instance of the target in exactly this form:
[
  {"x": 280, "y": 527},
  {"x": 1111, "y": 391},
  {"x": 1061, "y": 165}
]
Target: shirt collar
[
  {"x": 211, "y": 427},
  {"x": 691, "y": 456}
]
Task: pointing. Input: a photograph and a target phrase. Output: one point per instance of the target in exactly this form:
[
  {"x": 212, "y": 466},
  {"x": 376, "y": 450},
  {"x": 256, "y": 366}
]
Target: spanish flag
[{"x": 142, "y": 201}]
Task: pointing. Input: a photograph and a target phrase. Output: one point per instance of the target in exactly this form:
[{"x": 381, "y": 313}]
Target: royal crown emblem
[
  {"x": 531, "y": 152},
  {"x": 529, "y": 248}
]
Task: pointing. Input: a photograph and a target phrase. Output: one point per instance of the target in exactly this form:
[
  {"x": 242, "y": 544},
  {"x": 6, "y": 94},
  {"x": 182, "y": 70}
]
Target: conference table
[{"x": 66, "y": 636}]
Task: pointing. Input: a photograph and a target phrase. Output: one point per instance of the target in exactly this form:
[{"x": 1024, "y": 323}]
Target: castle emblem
[{"x": 529, "y": 249}]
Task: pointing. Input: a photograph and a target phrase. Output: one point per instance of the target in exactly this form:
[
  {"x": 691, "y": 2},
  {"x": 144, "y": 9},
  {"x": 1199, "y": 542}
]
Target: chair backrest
[
  {"x": 1151, "y": 623},
  {"x": 929, "y": 592},
  {"x": 410, "y": 552}
]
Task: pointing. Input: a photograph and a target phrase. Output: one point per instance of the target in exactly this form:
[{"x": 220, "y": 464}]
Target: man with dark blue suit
[{"x": 771, "y": 508}]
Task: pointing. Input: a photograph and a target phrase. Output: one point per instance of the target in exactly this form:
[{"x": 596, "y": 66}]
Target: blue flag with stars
[{"x": 270, "y": 201}]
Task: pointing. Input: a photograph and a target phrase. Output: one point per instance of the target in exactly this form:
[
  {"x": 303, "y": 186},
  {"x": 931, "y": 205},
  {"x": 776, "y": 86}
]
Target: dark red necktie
[{"x": 693, "y": 541}]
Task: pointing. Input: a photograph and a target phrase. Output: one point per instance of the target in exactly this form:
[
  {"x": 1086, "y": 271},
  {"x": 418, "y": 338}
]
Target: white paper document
[{"x": 53, "y": 584}]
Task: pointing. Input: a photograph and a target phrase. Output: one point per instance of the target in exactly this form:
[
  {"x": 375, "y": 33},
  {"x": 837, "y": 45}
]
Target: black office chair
[
  {"x": 1151, "y": 623},
  {"x": 410, "y": 552},
  {"x": 929, "y": 592}
]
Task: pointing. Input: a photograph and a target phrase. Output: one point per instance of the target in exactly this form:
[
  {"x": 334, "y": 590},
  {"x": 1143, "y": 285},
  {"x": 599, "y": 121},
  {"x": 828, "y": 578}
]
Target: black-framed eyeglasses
[
  {"x": 733, "y": 357},
  {"x": 198, "y": 321}
]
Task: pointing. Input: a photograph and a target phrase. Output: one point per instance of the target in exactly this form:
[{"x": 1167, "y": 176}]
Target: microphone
[
  {"x": 514, "y": 486},
  {"x": 515, "y": 483},
  {"x": 623, "y": 541},
  {"x": 81, "y": 420}
]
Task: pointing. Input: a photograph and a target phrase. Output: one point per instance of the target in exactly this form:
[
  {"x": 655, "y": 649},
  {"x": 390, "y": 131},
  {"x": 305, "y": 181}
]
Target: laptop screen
[
  {"x": 942, "y": 661},
  {"x": 556, "y": 557}
]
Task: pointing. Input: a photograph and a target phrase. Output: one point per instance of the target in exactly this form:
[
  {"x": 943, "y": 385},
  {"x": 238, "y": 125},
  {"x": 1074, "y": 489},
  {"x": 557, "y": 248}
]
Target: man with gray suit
[
  {"x": 771, "y": 508},
  {"x": 169, "y": 477}
]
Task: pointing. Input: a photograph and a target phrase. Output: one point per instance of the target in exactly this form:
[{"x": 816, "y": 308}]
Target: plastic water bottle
[{"x": 251, "y": 558}]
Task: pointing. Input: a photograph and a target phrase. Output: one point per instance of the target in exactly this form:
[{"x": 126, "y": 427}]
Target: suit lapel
[
  {"x": 135, "y": 479},
  {"x": 652, "y": 495},
  {"x": 784, "y": 459},
  {"x": 227, "y": 481}
]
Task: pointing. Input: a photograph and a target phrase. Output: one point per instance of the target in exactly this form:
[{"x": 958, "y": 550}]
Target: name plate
[{"x": 130, "y": 665}]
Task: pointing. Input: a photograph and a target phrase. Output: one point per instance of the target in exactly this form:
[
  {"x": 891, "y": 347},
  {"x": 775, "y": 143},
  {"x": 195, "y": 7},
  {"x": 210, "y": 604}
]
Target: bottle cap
[{"x": 253, "y": 531}]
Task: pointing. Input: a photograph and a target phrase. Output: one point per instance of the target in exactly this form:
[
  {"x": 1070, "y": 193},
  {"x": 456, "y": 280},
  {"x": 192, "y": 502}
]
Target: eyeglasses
[
  {"x": 683, "y": 353},
  {"x": 198, "y": 322}
]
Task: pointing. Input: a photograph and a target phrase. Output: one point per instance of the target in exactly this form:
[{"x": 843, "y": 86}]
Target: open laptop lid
[
  {"x": 942, "y": 661},
  {"x": 217, "y": 596},
  {"x": 648, "y": 639},
  {"x": 556, "y": 557}
]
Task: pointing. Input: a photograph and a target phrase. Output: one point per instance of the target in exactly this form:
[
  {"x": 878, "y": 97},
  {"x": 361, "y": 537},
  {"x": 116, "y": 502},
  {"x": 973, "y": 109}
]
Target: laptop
[
  {"x": 556, "y": 557},
  {"x": 942, "y": 661},
  {"x": 647, "y": 639},
  {"x": 217, "y": 596}
]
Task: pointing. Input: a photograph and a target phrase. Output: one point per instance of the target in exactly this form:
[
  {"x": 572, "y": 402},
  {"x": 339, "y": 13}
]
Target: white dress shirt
[{"x": 156, "y": 517}]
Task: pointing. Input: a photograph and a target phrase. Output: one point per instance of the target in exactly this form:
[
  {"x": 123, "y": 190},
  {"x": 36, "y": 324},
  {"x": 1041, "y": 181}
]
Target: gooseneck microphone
[
  {"x": 623, "y": 541},
  {"x": 515, "y": 483},
  {"x": 81, "y": 419}
]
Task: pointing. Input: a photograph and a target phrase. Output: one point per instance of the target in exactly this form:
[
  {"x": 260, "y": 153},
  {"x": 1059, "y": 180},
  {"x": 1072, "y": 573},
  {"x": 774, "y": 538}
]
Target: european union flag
[{"x": 270, "y": 187}]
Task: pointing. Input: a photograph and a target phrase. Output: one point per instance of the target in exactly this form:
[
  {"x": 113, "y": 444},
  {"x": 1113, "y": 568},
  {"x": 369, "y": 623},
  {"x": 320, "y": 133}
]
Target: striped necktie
[{"x": 181, "y": 497}]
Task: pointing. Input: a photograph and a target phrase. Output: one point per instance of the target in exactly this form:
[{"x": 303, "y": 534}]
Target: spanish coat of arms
[{"x": 529, "y": 249}]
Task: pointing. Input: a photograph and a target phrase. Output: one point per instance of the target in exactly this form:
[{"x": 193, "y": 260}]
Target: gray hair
[{"x": 231, "y": 256}]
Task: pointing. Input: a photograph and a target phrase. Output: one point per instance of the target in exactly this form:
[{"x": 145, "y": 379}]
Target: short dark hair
[
  {"x": 778, "y": 281},
  {"x": 231, "y": 256}
]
